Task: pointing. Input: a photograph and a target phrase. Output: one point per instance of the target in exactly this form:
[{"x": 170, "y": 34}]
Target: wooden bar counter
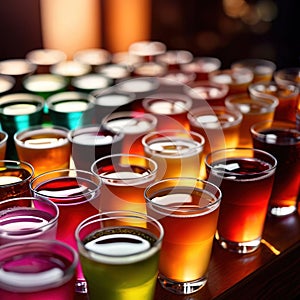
[{"x": 271, "y": 272}]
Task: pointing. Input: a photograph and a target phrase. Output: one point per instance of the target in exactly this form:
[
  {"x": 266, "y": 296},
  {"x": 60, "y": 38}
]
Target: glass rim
[
  {"x": 44, "y": 200},
  {"x": 292, "y": 87},
  {"x": 274, "y": 124},
  {"x": 186, "y": 101},
  {"x": 5, "y": 136},
  {"x": 129, "y": 115},
  {"x": 92, "y": 128},
  {"x": 44, "y": 246},
  {"x": 261, "y": 97},
  {"x": 30, "y": 98},
  {"x": 164, "y": 133},
  {"x": 120, "y": 214},
  {"x": 18, "y": 163},
  {"x": 68, "y": 96},
  {"x": 128, "y": 179},
  {"x": 213, "y": 108},
  {"x": 41, "y": 127},
  {"x": 186, "y": 212},
  {"x": 240, "y": 149},
  {"x": 58, "y": 171}
]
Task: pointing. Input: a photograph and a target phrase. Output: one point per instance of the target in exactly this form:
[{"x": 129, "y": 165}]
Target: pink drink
[
  {"x": 43, "y": 269},
  {"x": 27, "y": 218}
]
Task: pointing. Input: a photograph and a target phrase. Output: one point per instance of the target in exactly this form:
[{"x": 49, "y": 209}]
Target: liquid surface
[
  {"x": 32, "y": 270},
  {"x": 173, "y": 147},
  {"x": 241, "y": 168},
  {"x": 119, "y": 242},
  {"x": 20, "y": 221},
  {"x": 67, "y": 189}
]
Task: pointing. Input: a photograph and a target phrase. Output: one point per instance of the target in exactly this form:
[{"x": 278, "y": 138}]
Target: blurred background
[{"x": 226, "y": 29}]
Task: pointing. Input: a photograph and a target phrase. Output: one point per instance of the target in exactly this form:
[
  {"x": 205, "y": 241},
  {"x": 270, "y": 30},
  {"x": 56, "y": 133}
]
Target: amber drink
[
  {"x": 188, "y": 209},
  {"x": 176, "y": 152},
  {"x": 124, "y": 177},
  {"x": 46, "y": 148}
]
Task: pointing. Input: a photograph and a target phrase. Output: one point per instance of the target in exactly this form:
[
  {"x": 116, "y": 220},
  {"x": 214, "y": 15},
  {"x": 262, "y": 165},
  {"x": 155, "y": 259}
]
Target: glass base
[
  {"x": 81, "y": 287},
  {"x": 282, "y": 211},
  {"x": 239, "y": 247},
  {"x": 181, "y": 288}
]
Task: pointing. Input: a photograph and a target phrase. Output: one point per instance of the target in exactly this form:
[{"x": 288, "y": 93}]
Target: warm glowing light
[
  {"x": 70, "y": 25},
  {"x": 126, "y": 22}
]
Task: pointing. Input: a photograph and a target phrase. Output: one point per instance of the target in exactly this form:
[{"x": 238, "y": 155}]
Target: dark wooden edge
[{"x": 278, "y": 279}]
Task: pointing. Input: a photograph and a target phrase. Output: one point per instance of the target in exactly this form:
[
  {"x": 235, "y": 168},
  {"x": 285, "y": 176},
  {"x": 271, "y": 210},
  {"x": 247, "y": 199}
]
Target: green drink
[{"x": 119, "y": 254}]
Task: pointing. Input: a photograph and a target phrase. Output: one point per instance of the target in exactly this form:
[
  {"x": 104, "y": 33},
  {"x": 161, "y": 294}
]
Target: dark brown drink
[{"x": 14, "y": 179}]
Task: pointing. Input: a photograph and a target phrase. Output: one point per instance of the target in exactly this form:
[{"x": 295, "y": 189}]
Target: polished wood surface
[{"x": 271, "y": 272}]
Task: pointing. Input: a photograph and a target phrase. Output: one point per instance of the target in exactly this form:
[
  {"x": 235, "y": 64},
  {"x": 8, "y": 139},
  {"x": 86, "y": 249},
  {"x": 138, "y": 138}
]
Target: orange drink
[
  {"x": 188, "y": 209},
  {"x": 254, "y": 109}
]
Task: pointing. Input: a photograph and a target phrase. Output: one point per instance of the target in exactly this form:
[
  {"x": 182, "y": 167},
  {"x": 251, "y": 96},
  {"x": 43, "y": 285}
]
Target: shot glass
[
  {"x": 286, "y": 76},
  {"x": 141, "y": 86},
  {"x": 213, "y": 93},
  {"x": 93, "y": 57},
  {"x": 134, "y": 125},
  {"x": 174, "y": 59},
  {"x": 91, "y": 142},
  {"x": 108, "y": 101},
  {"x": 7, "y": 84},
  {"x": 15, "y": 177},
  {"x": 262, "y": 69},
  {"x": 170, "y": 109},
  {"x": 91, "y": 82},
  {"x": 40, "y": 269},
  {"x": 18, "y": 69},
  {"x": 77, "y": 195},
  {"x": 124, "y": 177},
  {"x": 71, "y": 109},
  {"x": 119, "y": 253},
  {"x": 220, "y": 127},
  {"x": 254, "y": 109},
  {"x": 45, "y": 85},
  {"x": 178, "y": 153},
  {"x": 46, "y": 148},
  {"x": 188, "y": 209},
  {"x": 281, "y": 139},
  {"x": 3, "y": 144},
  {"x": 202, "y": 66},
  {"x": 27, "y": 218},
  {"x": 237, "y": 80},
  {"x": 19, "y": 111},
  {"x": 287, "y": 96},
  {"x": 245, "y": 177},
  {"x": 45, "y": 58}
]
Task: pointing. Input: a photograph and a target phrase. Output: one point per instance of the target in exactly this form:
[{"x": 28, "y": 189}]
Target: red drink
[
  {"x": 245, "y": 177},
  {"x": 282, "y": 140}
]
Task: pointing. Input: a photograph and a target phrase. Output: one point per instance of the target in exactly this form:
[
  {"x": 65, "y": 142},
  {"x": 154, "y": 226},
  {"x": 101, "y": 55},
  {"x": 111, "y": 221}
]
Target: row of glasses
[{"x": 162, "y": 275}]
